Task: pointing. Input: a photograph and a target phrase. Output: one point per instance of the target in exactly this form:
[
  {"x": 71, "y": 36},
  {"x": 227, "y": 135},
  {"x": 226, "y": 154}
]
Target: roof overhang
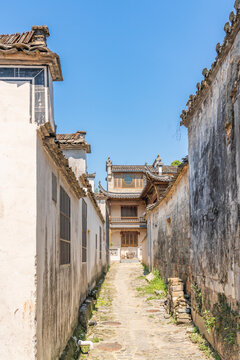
[
  {"x": 22, "y": 54},
  {"x": 81, "y": 146}
]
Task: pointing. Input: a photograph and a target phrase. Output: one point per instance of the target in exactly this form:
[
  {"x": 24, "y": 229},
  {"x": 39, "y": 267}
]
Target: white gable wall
[
  {"x": 17, "y": 222},
  {"x": 77, "y": 160}
]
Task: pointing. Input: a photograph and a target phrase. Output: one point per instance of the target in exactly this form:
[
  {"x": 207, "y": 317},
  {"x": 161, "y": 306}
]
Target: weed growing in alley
[
  {"x": 157, "y": 284},
  {"x": 203, "y": 344},
  {"x": 105, "y": 298},
  {"x": 173, "y": 320},
  {"x": 96, "y": 340},
  {"x": 155, "y": 297},
  {"x": 209, "y": 320},
  {"x": 103, "y": 302},
  {"x": 198, "y": 296},
  {"x": 145, "y": 269},
  {"x": 85, "y": 349},
  {"x": 226, "y": 321}
]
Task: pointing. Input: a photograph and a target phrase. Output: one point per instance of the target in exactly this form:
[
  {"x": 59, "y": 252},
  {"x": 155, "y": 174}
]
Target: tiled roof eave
[
  {"x": 85, "y": 183},
  {"x": 48, "y": 140},
  {"x": 158, "y": 178},
  {"x": 131, "y": 168},
  {"x": 25, "y": 55},
  {"x": 91, "y": 176},
  {"x": 111, "y": 195},
  {"x": 174, "y": 180},
  {"x": 75, "y": 146}
]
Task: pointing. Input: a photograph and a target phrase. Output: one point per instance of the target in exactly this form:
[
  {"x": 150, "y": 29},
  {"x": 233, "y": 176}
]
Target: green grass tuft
[
  {"x": 203, "y": 344},
  {"x": 96, "y": 340},
  {"x": 146, "y": 269},
  {"x": 156, "y": 284}
]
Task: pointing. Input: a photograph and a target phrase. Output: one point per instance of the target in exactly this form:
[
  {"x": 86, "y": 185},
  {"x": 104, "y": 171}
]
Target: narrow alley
[
  {"x": 120, "y": 215},
  {"x": 131, "y": 325}
]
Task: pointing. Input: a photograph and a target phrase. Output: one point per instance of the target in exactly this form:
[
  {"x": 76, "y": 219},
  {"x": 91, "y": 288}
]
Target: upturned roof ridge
[
  {"x": 231, "y": 29},
  {"x": 159, "y": 177},
  {"x": 119, "y": 195}
]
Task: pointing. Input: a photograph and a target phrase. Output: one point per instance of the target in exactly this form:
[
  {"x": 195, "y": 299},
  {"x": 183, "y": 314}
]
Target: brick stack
[{"x": 177, "y": 305}]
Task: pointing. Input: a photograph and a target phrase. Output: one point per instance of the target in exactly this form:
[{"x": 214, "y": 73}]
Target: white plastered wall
[
  {"x": 77, "y": 160},
  {"x": 17, "y": 222},
  {"x": 95, "y": 263}
]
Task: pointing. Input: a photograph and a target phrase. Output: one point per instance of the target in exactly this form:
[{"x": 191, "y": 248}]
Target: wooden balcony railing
[{"x": 127, "y": 220}]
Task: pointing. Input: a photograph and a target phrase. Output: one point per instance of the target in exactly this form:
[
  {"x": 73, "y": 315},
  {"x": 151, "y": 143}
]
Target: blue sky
[{"x": 129, "y": 67}]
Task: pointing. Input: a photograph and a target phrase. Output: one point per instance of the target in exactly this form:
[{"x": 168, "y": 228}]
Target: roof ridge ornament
[
  {"x": 237, "y": 5},
  {"x": 232, "y": 17},
  {"x": 109, "y": 162},
  {"x": 218, "y": 48},
  {"x": 231, "y": 29},
  {"x": 227, "y": 28},
  {"x": 158, "y": 164},
  {"x": 40, "y": 34},
  {"x": 30, "y": 48}
]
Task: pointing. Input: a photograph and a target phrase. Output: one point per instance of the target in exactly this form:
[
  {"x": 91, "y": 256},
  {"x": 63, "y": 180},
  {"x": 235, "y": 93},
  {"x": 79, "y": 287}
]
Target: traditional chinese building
[{"x": 130, "y": 188}]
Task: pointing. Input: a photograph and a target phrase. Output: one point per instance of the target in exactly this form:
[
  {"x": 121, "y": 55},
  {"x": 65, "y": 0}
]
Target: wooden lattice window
[
  {"x": 54, "y": 187},
  {"x": 65, "y": 227},
  {"x": 129, "y": 239},
  {"x": 139, "y": 181},
  {"x": 100, "y": 242},
  {"x": 128, "y": 180},
  {"x": 84, "y": 231},
  {"x": 118, "y": 181},
  {"x": 128, "y": 211}
]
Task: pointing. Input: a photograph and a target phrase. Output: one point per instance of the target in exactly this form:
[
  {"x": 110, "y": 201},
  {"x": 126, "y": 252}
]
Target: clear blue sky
[{"x": 128, "y": 68}]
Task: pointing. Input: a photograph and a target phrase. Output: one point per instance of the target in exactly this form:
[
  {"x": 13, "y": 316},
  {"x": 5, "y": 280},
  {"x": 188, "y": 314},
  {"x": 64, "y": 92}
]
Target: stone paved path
[{"x": 130, "y": 327}]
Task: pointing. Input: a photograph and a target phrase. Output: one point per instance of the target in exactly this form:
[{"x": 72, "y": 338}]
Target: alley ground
[{"x": 128, "y": 326}]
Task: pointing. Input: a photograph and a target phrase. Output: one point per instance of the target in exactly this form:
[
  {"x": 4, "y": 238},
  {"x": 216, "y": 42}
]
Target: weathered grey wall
[
  {"x": 61, "y": 288},
  {"x": 170, "y": 231},
  {"x": 215, "y": 198}
]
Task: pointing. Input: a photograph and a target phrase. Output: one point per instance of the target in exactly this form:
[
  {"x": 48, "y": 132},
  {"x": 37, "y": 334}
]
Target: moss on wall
[{"x": 72, "y": 350}]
